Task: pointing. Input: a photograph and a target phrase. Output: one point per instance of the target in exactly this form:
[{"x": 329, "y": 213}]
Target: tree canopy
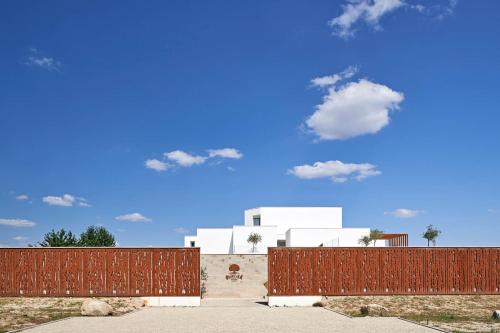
[
  {"x": 59, "y": 238},
  {"x": 255, "y": 239},
  {"x": 375, "y": 234},
  {"x": 92, "y": 237},
  {"x": 431, "y": 234},
  {"x": 96, "y": 236}
]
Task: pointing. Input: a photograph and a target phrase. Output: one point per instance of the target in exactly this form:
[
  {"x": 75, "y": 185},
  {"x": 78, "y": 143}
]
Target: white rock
[
  {"x": 496, "y": 314},
  {"x": 374, "y": 310},
  {"x": 94, "y": 307}
]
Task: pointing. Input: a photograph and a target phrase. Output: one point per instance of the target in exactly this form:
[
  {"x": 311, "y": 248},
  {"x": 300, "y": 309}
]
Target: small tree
[
  {"x": 365, "y": 240},
  {"x": 59, "y": 238},
  {"x": 431, "y": 234},
  {"x": 255, "y": 239},
  {"x": 375, "y": 234},
  {"x": 96, "y": 236}
]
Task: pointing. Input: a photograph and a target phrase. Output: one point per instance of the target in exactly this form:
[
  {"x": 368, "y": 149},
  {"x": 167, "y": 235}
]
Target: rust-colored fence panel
[
  {"x": 100, "y": 272},
  {"x": 383, "y": 271}
]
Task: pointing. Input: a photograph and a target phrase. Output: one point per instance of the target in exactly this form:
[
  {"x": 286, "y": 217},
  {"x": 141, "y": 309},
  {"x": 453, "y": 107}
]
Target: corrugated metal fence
[
  {"x": 100, "y": 272},
  {"x": 383, "y": 271}
]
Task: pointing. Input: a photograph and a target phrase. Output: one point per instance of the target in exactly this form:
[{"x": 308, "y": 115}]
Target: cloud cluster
[
  {"x": 183, "y": 159},
  {"x": 181, "y": 231},
  {"x": 66, "y": 200},
  {"x": 133, "y": 217},
  {"x": 17, "y": 223},
  {"x": 404, "y": 213},
  {"x": 337, "y": 171},
  {"x": 156, "y": 165},
  {"x": 371, "y": 12},
  {"x": 35, "y": 59},
  {"x": 22, "y": 197},
  {"x": 352, "y": 109}
]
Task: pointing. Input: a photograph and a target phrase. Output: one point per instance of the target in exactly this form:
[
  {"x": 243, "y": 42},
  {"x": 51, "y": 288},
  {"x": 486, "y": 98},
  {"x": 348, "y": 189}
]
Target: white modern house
[{"x": 281, "y": 226}]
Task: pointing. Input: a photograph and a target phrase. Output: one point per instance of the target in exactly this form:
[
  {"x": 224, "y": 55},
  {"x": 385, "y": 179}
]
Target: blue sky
[{"x": 387, "y": 108}]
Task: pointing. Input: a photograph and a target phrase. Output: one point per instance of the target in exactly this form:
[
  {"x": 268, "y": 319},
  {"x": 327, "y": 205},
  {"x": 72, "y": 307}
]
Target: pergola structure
[{"x": 396, "y": 240}]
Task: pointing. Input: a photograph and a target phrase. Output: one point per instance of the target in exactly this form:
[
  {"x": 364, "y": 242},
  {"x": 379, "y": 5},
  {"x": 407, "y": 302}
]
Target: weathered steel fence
[
  {"x": 100, "y": 272},
  {"x": 383, "y": 271}
]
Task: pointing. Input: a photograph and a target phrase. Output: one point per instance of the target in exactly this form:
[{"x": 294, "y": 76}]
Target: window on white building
[
  {"x": 192, "y": 243},
  {"x": 256, "y": 220},
  {"x": 281, "y": 243}
]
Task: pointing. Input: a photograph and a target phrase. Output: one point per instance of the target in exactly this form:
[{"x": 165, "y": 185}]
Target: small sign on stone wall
[{"x": 234, "y": 273}]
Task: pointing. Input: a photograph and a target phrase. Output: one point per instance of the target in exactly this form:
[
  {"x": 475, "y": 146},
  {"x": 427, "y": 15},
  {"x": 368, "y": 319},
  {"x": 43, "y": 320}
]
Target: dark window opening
[
  {"x": 256, "y": 220},
  {"x": 192, "y": 243},
  {"x": 281, "y": 243}
]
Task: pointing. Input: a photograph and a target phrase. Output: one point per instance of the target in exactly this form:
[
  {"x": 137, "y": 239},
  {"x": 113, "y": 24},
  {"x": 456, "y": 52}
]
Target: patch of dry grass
[
  {"x": 21, "y": 312},
  {"x": 455, "y": 313}
]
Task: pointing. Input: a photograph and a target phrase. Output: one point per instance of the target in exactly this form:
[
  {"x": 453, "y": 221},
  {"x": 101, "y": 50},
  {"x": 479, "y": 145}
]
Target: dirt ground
[
  {"x": 22, "y": 312},
  {"x": 450, "y": 313}
]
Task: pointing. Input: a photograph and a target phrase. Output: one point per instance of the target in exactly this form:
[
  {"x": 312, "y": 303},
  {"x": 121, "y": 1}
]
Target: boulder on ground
[
  {"x": 94, "y": 307},
  {"x": 496, "y": 314},
  {"x": 374, "y": 310}
]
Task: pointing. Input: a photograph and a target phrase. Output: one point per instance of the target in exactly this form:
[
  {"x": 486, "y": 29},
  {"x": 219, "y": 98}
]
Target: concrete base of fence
[
  {"x": 293, "y": 300},
  {"x": 172, "y": 300}
]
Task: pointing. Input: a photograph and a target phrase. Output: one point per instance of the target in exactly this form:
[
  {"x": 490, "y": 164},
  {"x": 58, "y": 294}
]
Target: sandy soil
[
  {"x": 451, "y": 313},
  {"x": 21, "y": 312}
]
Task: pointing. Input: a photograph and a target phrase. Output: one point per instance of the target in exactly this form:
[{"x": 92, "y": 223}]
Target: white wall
[
  {"x": 215, "y": 240},
  {"x": 188, "y": 239},
  {"x": 240, "y": 236},
  {"x": 296, "y": 217},
  {"x": 312, "y": 237}
]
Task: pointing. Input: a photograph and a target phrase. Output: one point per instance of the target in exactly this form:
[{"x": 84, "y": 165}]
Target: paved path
[{"x": 230, "y": 316}]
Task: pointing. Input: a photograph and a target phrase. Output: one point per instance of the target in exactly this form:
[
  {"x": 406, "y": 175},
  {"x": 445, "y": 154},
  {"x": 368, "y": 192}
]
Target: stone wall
[{"x": 247, "y": 282}]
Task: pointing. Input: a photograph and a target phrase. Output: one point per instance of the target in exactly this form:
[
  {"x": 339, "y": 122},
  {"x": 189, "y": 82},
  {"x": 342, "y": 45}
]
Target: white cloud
[
  {"x": 353, "y": 109},
  {"x": 17, "y": 223},
  {"x": 20, "y": 239},
  {"x": 330, "y": 80},
  {"x": 37, "y": 60},
  {"x": 404, "y": 213},
  {"x": 370, "y": 12},
  {"x": 230, "y": 168},
  {"x": 225, "y": 153},
  {"x": 184, "y": 159},
  {"x": 337, "y": 171},
  {"x": 66, "y": 200},
  {"x": 22, "y": 197},
  {"x": 181, "y": 231},
  {"x": 133, "y": 217},
  {"x": 156, "y": 165}
]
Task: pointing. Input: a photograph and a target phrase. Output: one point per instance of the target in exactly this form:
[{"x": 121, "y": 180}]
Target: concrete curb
[
  {"x": 420, "y": 324},
  {"x": 71, "y": 317},
  {"x": 403, "y": 319}
]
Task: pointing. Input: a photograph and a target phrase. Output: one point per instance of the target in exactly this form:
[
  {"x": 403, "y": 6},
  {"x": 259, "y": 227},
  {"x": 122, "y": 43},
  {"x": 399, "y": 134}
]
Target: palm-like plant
[
  {"x": 254, "y": 238},
  {"x": 431, "y": 234},
  {"x": 375, "y": 234},
  {"x": 365, "y": 240}
]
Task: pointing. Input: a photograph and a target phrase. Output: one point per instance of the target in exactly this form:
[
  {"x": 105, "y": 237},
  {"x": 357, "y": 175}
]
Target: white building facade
[{"x": 280, "y": 226}]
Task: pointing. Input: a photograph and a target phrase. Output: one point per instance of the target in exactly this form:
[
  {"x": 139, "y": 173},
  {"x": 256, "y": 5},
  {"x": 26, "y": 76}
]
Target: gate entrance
[{"x": 234, "y": 275}]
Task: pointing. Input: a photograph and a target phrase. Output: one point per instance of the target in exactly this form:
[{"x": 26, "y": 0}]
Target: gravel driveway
[{"x": 230, "y": 316}]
